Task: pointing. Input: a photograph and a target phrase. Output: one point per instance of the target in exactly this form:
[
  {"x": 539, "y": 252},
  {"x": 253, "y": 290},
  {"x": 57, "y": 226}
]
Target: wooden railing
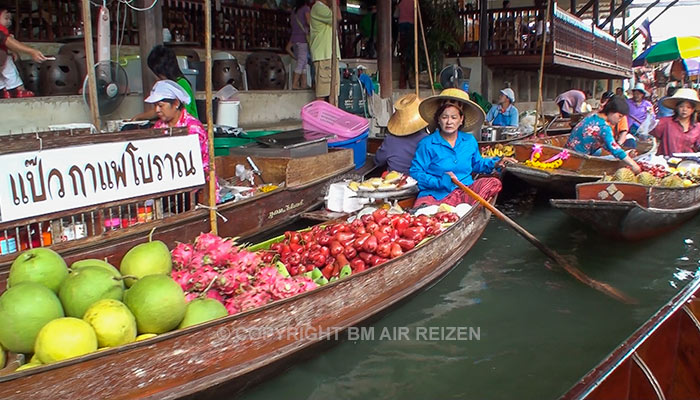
[
  {"x": 518, "y": 31},
  {"x": 235, "y": 27}
]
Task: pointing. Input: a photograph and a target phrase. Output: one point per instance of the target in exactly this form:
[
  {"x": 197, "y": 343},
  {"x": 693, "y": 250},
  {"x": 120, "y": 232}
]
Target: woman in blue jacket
[{"x": 450, "y": 152}]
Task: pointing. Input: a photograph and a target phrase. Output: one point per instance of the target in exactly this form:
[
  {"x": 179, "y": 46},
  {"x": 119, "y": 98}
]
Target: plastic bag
[{"x": 647, "y": 126}]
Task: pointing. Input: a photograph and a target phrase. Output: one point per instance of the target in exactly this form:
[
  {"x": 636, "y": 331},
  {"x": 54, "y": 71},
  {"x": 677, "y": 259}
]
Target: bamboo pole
[
  {"x": 90, "y": 60},
  {"x": 210, "y": 118},
  {"x": 538, "y": 108},
  {"x": 427, "y": 56},
  {"x": 415, "y": 45},
  {"x": 333, "y": 95}
]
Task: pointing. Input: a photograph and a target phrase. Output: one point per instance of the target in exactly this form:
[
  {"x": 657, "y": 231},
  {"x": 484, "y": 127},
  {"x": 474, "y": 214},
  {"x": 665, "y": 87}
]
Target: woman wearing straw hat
[
  {"x": 679, "y": 133},
  {"x": 639, "y": 106},
  {"x": 450, "y": 152},
  {"x": 406, "y": 128}
]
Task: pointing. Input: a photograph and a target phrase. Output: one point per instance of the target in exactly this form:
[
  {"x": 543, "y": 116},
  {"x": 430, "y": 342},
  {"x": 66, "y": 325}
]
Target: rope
[{"x": 215, "y": 209}]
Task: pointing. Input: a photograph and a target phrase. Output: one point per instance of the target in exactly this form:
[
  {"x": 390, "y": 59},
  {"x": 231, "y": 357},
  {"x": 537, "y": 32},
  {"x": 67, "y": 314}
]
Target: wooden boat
[
  {"x": 578, "y": 168},
  {"x": 178, "y": 215},
  {"x": 659, "y": 361},
  {"x": 631, "y": 210},
  {"x": 237, "y": 350}
]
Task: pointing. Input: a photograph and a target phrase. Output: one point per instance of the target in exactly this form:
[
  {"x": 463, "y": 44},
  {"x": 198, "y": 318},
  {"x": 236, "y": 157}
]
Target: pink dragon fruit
[
  {"x": 248, "y": 261},
  {"x": 189, "y": 296},
  {"x": 232, "y": 306},
  {"x": 202, "y": 277},
  {"x": 251, "y": 300},
  {"x": 305, "y": 284},
  {"x": 182, "y": 255},
  {"x": 283, "y": 288},
  {"x": 183, "y": 278},
  {"x": 220, "y": 254},
  {"x": 206, "y": 241},
  {"x": 231, "y": 280}
]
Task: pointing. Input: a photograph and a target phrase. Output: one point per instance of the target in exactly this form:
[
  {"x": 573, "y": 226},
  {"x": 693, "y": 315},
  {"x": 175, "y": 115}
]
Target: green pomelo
[
  {"x": 93, "y": 262},
  {"x": 87, "y": 285},
  {"x": 40, "y": 265},
  {"x": 145, "y": 336},
  {"x": 150, "y": 258},
  {"x": 65, "y": 338},
  {"x": 24, "y": 310},
  {"x": 157, "y": 302},
  {"x": 112, "y": 321},
  {"x": 3, "y": 357},
  {"x": 202, "y": 310}
]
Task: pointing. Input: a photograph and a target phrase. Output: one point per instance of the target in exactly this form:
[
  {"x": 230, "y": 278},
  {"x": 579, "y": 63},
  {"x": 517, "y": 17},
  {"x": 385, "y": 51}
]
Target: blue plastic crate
[{"x": 359, "y": 148}]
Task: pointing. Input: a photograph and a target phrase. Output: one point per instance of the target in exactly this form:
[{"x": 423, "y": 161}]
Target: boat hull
[
  {"x": 630, "y": 210},
  {"x": 659, "y": 361},
  {"x": 235, "y": 348}
]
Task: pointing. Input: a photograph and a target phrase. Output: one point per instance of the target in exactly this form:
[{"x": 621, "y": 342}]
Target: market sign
[{"x": 48, "y": 181}]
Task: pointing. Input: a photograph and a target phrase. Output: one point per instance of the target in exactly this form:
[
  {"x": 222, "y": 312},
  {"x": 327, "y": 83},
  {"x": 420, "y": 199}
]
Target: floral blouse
[
  {"x": 591, "y": 134},
  {"x": 195, "y": 128}
]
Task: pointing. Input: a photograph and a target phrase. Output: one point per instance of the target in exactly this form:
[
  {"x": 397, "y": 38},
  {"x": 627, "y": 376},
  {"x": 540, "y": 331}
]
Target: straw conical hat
[
  {"x": 406, "y": 120},
  {"x": 682, "y": 94},
  {"x": 473, "y": 114}
]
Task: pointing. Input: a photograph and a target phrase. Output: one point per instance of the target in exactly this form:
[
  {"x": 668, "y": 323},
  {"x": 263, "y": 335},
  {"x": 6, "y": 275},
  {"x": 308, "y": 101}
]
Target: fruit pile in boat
[{"x": 655, "y": 175}]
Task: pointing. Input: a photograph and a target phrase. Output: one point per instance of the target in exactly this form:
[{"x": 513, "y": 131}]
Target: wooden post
[
  {"x": 150, "y": 34},
  {"x": 384, "y": 49},
  {"x": 333, "y": 95},
  {"x": 612, "y": 17},
  {"x": 596, "y": 12},
  {"x": 210, "y": 118},
  {"x": 572, "y": 8},
  {"x": 484, "y": 25},
  {"x": 538, "y": 109},
  {"x": 427, "y": 56},
  {"x": 415, "y": 46},
  {"x": 90, "y": 60}
]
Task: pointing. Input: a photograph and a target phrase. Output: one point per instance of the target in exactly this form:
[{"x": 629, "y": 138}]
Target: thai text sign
[{"x": 43, "y": 182}]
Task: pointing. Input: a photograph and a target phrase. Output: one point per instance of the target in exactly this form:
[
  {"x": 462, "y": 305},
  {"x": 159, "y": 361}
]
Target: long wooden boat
[
  {"x": 178, "y": 215},
  {"x": 630, "y": 210},
  {"x": 578, "y": 168},
  {"x": 660, "y": 361},
  {"x": 237, "y": 350}
]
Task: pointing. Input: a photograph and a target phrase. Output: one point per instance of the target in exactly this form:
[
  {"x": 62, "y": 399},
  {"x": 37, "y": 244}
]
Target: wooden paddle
[{"x": 556, "y": 257}]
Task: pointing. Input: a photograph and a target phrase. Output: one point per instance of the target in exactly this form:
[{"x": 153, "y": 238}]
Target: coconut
[
  {"x": 202, "y": 310},
  {"x": 157, "y": 302},
  {"x": 65, "y": 338},
  {"x": 112, "y": 321},
  {"x": 86, "y": 286},
  {"x": 150, "y": 258},
  {"x": 24, "y": 310},
  {"x": 40, "y": 265}
]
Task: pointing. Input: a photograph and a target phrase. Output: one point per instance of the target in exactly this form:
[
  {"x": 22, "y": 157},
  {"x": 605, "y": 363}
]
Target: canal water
[{"x": 526, "y": 329}]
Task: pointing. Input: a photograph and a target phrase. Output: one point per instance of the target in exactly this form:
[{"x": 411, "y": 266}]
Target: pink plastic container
[{"x": 323, "y": 117}]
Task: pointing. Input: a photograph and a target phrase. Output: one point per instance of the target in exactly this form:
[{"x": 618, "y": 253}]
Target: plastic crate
[
  {"x": 358, "y": 146},
  {"x": 323, "y": 117},
  {"x": 223, "y": 144}
]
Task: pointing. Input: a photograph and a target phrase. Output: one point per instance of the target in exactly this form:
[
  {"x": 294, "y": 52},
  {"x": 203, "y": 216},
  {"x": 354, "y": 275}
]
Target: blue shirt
[
  {"x": 591, "y": 134},
  {"x": 397, "y": 151},
  {"x": 498, "y": 117},
  {"x": 435, "y": 157}
]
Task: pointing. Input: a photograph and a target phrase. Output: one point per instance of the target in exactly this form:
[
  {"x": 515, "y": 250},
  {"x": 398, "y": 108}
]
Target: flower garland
[{"x": 555, "y": 161}]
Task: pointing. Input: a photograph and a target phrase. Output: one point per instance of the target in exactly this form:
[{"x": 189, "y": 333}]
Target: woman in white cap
[
  {"x": 639, "y": 106},
  {"x": 504, "y": 113},
  {"x": 451, "y": 152},
  {"x": 679, "y": 133},
  {"x": 170, "y": 99}
]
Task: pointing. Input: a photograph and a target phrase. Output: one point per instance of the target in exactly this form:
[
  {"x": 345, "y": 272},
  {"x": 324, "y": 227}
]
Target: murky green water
[{"x": 540, "y": 330}]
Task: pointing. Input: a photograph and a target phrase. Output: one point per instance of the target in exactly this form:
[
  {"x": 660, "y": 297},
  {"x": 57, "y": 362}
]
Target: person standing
[
  {"x": 679, "y": 133},
  {"x": 504, "y": 113},
  {"x": 300, "y": 20},
  {"x": 639, "y": 107},
  {"x": 407, "y": 21},
  {"x": 570, "y": 102},
  {"x": 11, "y": 84},
  {"x": 321, "y": 50}
]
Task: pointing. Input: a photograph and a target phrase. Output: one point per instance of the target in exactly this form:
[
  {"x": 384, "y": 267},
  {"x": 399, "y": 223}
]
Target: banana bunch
[{"x": 498, "y": 150}]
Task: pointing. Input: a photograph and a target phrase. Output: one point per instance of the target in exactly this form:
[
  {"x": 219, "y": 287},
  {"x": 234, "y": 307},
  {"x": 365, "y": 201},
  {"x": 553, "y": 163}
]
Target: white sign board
[{"x": 42, "y": 182}]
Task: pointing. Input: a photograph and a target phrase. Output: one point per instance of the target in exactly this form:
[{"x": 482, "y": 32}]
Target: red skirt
[{"x": 484, "y": 187}]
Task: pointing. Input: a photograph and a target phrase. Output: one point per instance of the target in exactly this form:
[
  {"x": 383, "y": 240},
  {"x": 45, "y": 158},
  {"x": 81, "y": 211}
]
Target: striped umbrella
[{"x": 682, "y": 47}]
